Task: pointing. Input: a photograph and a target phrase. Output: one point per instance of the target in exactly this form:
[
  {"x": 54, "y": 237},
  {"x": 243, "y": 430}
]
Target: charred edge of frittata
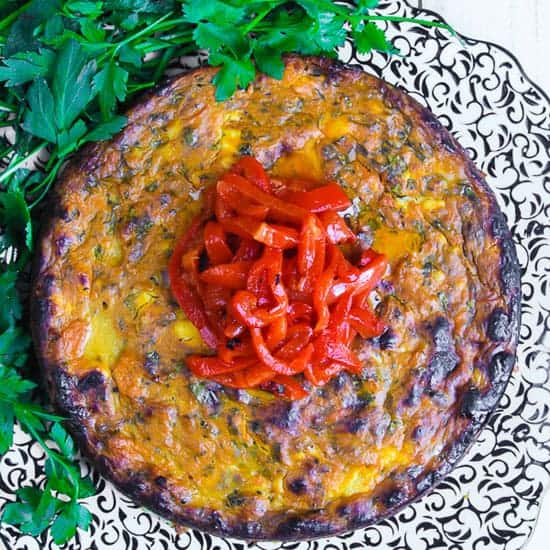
[
  {"x": 64, "y": 389},
  {"x": 502, "y": 326}
]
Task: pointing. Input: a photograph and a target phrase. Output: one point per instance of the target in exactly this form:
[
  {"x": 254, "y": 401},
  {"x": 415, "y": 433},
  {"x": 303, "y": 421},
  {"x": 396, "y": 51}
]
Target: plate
[{"x": 491, "y": 499}]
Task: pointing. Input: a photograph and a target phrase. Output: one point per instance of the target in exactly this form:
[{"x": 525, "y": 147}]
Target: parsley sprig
[
  {"x": 37, "y": 507},
  {"x": 67, "y": 67}
]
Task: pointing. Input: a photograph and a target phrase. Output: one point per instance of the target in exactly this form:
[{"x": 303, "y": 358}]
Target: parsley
[
  {"x": 36, "y": 508},
  {"x": 443, "y": 300},
  {"x": 66, "y": 68},
  {"x": 204, "y": 395},
  {"x": 256, "y": 35}
]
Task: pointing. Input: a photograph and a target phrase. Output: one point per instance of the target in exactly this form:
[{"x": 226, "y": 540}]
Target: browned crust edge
[{"x": 62, "y": 388}]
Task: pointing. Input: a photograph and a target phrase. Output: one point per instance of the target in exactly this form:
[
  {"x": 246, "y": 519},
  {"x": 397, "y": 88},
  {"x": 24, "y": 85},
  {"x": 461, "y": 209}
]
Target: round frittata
[{"x": 113, "y": 342}]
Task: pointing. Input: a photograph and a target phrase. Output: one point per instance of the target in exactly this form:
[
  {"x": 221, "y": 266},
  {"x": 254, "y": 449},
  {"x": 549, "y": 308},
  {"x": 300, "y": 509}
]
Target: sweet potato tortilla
[{"x": 248, "y": 463}]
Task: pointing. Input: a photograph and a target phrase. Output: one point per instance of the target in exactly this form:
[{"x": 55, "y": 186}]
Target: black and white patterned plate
[{"x": 491, "y": 500}]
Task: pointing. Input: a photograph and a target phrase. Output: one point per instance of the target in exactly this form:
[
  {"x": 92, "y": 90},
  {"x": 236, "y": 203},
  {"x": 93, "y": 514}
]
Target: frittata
[{"x": 113, "y": 342}]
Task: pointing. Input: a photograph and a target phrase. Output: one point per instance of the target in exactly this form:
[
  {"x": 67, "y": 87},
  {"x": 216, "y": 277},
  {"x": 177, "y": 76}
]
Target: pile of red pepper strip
[{"x": 261, "y": 275}]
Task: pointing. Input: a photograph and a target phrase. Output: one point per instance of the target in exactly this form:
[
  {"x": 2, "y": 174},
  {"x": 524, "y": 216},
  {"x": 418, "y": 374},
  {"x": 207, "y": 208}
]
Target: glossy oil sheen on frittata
[{"x": 246, "y": 463}]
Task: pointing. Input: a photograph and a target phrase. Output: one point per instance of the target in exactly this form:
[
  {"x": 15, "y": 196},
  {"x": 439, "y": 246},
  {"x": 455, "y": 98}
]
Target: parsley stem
[
  {"x": 27, "y": 422},
  {"x": 154, "y": 26},
  {"x": 7, "y": 107},
  {"x": 37, "y": 410},
  {"x": 256, "y": 20},
  {"x": 46, "y": 183},
  {"x": 51, "y": 162},
  {"x": 12, "y": 167},
  {"x": 155, "y": 47},
  {"x": 6, "y": 151},
  {"x": 172, "y": 23},
  {"x": 133, "y": 88},
  {"x": 164, "y": 60},
  {"x": 174, "y": 35},
  {"x": 7, "y": 21}
]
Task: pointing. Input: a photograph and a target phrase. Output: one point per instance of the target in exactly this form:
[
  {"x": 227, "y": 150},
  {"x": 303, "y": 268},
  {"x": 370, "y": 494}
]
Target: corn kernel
[
  {"x": 104, "y": 343},
  {"x": 231, "y": 139},
  {"x": 335, "y": 128},
  {"x": 143, "y": 299},
  {"x": 174, "y": 129},
  {"x": 359, "y": 479},
  {"x": 113, "y": 253},
  {"x": 432, "y": 204},
  {"x": 188, "y": 333}
]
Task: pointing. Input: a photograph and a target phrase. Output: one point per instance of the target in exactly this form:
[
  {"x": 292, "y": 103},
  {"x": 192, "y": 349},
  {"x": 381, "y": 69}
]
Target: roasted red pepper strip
[
  {"x": 321, "y": 199},
  {"x": 275, "y": 262},
  {"x": 277, "y": 332},
  {"x": 300, "y": 311},
  {"x": 248, "y": 250},
  {"x": 329, "y": 349},
  {"x": 336, "y": 228},
  {"x": 231, "y": 275},
  {"x": 306, "y": 247},
  {"x": 292, "y": 184},
  {"x": 251, "y": 377},
  {"x": 319, "y": 375},
  {"x": 271, "y": 235},
  {"x": 244, "y": 306},
  {"x": 339, "y": 320},
  {"x": 235, "y": 348},
  {"x": 268, "y": 286},
  {"x": 359, "y": 281},
  {"x": 215, "y": 300},
  {"x": 222, "y": 210},
  {"x": 291, "y": 389},
  {"x": 264, "y": 280},
  {"x": 366, "y": 323},
  {"x": 302, "y": 359},
  {"x": 234, "y": 202},
  {"x": 215, "y": 242},
  {"x": 253, "y": 171},
  {"x": 313, "y": 377},
  {"x": 209, "y": 201},
  {"x": 185, "y": 295},
  {"x": 297, "y": 338},
  {"x": 193, "y": 307},
  {"x": 367, "y": 256},
  {"x": 257, "y": 375},
  {"x": 209, "y": 366},
  {"x": 242, "y": 226},
  {"x": 258, "y": 283},
  {"x": 316, "y": 262},
  {"x": 265, "y": 356},
  {"x": 361, "y": 301},
  {"x": 276, "y": 236},
  {"x": 216, "y": 297},
  {"x": 323, "y": 288},
  {"x": 279, "y": 209},
  {"x": 234, "y": 328}
]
